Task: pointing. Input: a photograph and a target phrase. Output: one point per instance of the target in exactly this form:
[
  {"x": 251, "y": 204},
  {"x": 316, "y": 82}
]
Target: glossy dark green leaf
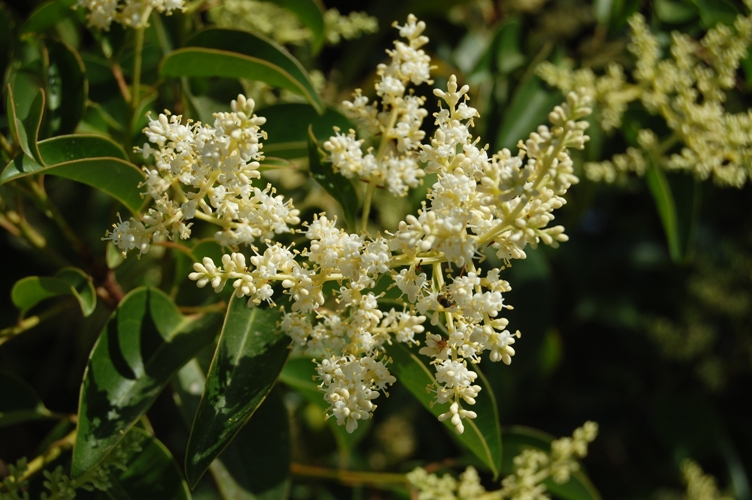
[
  {"x": 287, "y": 128},
  {"x": 713, "y": 12},
  {"x": 149, "y": 473},
  {"x": 89, "y": 159},
  {"x": 310, "y": 14},
  {"x": 249, "y": 357},
  {"x": 482, "y": 435},
  {"x": 335, "y": 184},
  {"x": 238, "y": 54},
  {"x": 68, "y": 87},
  {"x": 30, "y": 291},
  {"x": 144, "y": 342},
  {"x": 299, "y": 374},
  {"x": 528, "y": 109},
  {"x": 25, "y": 104},
  {"x": 516, "y": 439},
  {"x": 18, "y": 401},
  {"x": 47, "y": 15}
]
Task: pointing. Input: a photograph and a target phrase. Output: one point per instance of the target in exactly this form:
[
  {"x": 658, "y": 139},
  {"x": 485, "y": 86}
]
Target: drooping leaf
[
  {"x": 89, "y": 159},
  {"x": 18, "y": 401},
  {"x": 335, "y": 184},
  {"x": 482, "y": 435},
  {"x": 249, "y": 357},
  {"x": 299, "y": 374},
  {"x": 516, "y": 439},
  {"x": 144, "y": 342},
  {"x": 149, "y": 473},
  {"x": 239, "y": 54},
  {"x": 287, "y": 128},
  {"x": 25, "y": 105},
  {"x": 664, "y": 203},
  {"x": 46, "y": 16},
  {"x": 528, "y": 109},
  {"x": 68, "y": 86},
  {"x": 30, "y": 291},
  {"x": 310, "y": 14}
]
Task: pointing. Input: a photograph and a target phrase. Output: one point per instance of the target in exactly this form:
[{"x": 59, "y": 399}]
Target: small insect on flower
[{"x": 445, "y": 300}]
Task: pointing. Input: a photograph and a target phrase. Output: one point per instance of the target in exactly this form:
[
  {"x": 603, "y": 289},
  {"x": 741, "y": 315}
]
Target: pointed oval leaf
[
  {"x": 518, "y": 438},
  {"x": 239, "y": 54},
  {"x": 335, "y": 184},
  {"x": 18, "y": 401},
  {"x": 482, "y": 435},
  {"x": 287, "y": 127},
  {"x": 25, "y": 105},
  {"x": 249, "y": 357},
  {"x": 143, "y": 343},
  {"x": 30, "y": 291},
  {"x": 149, "y": 473},
  {"x": 299, "y": 374},
  {"x": 89, "y": 159}
]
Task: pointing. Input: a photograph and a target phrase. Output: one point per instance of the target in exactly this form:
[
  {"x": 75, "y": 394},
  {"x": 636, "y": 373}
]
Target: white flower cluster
[
  {"x": 132, "y": 13},
  {"x": 688, "y": 90},
  {"x": 216, "y": 165},
  {"x": 531, "y": 468},
  {"x": 398, "y": 121},
  {"x": 504, "y": 201}
]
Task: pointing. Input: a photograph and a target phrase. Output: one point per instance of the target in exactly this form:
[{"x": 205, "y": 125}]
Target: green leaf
[
  {"x": 250, "y": 354},
  {"x": 504, "y": 53},
  {"x": 310, "y": 14},
  {"x": 46, "y": 16},
  {"x": 713, "y": 12},
  {"x": 68, "y": 86},
  {"x": 287, "y": 128},
  {"x": 664, "y": 203},
  {"x": 238, "y": 54},
  {"x": 516, "y": 439},
  {"x": 335, "y": 184},
  {"x": 30, "y": 291},
  {"x": 18, "y": 401},
  {"x": 482, "y": 435},
  {"x": 144, "y": 342},
  {"x": 673, "y": 12},
  {"x": 89, "y": 159},
  {"x": 299, "y": 374},
  {"x": 272, "y": 163},
  {"x": 528, "y": 109},
  {"x": 149, "y": 473},
  {"x": 25, "y": 105}
]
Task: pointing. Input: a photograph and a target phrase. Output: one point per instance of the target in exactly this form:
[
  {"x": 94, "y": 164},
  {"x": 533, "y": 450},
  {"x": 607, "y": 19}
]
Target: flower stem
[
  {"x": 348, "y": 476},
  {"x": 367, "y": 205},
  {"x": 136, "y": 97}
]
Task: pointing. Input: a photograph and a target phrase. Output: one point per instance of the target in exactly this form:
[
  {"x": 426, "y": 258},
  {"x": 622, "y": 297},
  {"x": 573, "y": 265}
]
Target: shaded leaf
[
  {"x": 504, "y": 53},
  {"x": 144, "y": 342},
  {"x": 149, "y": 473},
  {"x": 287, "y": 128},
  {"x": 664, "y": 203},
  {"x": 30, "y": 291},
  {"x": 299, "y": 374},
  {"x": 335, "y": 184},
  {"x": 517, "y": 439},
  {"x": 482, "y": 435},
  {"x": 68, "y": 87},
  {"x": 528, "y": 109},
  {"x": 250, "y": 354},
  {"x": 18, "y": 401},
  {"x": 47, "y": 15},
  {"x": 674, "y": 12},
  {"x": 25, "y": 105},
  {"x": 89, "y": 159},
  {"x": 239, "y": 54},
  {"x": 310, "y": 14}
]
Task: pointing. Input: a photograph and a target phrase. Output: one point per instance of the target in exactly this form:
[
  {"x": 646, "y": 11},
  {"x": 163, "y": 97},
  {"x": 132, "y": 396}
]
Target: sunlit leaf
[
  {"x": 18, "y": 401},
  {"x": 335, "y": 184},
  {"x": 299, "y": 374},
  {"x": 249, "y": 357},
  {"x": 517, "y": 439},
  {"x": 89, "y": 159},
  {"x": 239, "y": 54},
  {"x": 310, "y": 14},
  {"x": 482, "y": 435},
  {"x": 144, "y": 342},
  {"x": 30, "y": 291}
]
